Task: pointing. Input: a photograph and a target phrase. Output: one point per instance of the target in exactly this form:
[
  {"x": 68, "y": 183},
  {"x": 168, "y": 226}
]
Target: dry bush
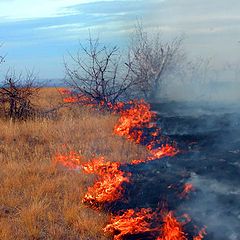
[
  {"x": 153, "y": 60},
  {"x": 99, "y": 73},
  {"x": 39, "y": 200},
  {"x": 16, "y": 96},
  {"x": 105, "y": 76}
]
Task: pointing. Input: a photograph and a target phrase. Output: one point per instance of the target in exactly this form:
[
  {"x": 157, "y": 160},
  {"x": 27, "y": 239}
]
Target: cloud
[
  {"x": 194, "y": 13},
  {"x": 27, "y": 9},
  {"x": 212, "y": 27}
]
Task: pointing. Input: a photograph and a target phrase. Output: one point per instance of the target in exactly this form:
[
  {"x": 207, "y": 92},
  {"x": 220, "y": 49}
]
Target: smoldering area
[{"x": 208, "y": 136}]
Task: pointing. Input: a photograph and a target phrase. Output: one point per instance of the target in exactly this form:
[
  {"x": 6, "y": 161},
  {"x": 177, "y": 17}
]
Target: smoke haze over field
[
  {"x": 213, "y": 91},
  {"x": 38, "y": 36}
]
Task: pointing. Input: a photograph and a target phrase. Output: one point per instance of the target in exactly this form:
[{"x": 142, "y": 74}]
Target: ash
[{"x": 209, "y": 140}]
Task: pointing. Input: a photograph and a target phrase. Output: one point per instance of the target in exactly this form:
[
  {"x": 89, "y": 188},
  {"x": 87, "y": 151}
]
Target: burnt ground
[{"x": 209, "y": 140}]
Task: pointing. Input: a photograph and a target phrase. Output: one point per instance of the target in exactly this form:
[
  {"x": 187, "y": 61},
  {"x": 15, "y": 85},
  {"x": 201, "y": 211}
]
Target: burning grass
[
  {"x": 41, "y": 201},
  {"x": 135, "y": 118},
  {"x": 54, "y": 169}
]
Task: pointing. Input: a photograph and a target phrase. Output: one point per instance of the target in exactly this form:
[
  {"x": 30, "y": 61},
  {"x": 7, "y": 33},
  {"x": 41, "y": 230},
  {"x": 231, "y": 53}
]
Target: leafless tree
[
  {"x": 1, "y": 56},
  {"x": 99, "y": 73},
  {"x": 152, "y": 60},
  {"x": 1, "y": 59},
  {"x": 16, "y": 95}
]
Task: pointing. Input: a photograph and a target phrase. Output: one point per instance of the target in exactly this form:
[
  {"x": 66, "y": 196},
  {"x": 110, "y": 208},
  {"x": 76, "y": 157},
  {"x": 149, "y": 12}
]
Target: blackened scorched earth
[
  {"x": 210, "y": 136},
  {"x": 209, "y": 140}
]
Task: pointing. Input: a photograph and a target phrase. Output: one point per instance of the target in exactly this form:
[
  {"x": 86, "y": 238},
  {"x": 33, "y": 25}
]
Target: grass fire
[
  {"x": 135, "y": 118},
  {"x": 119, "y": 120}
]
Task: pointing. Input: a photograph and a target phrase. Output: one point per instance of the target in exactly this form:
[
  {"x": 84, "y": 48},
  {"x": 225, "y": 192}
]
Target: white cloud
[{"x": 29, "y": 9}]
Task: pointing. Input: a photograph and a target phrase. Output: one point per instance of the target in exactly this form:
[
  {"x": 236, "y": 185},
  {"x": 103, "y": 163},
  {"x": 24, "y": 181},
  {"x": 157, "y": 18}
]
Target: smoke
[
  {"x": 208, "y": 136},
  {"x": 216, "y": 206},
  {"x": 212, "y": 91},
  {"x": 201, "y": 81}
]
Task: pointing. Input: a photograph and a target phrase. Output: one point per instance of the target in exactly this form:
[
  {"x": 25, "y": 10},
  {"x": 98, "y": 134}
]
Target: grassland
[{"x": 41, "y": 200}]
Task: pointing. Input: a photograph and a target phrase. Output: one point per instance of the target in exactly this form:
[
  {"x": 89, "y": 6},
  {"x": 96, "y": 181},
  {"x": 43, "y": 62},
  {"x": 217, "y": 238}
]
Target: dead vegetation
[
  {"x": 39, "y": 200},
  {"x": 16, "y": 94}
]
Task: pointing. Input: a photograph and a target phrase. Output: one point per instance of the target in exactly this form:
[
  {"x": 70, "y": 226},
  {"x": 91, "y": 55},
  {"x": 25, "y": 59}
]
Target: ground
[{"x": 42, "y": 200}]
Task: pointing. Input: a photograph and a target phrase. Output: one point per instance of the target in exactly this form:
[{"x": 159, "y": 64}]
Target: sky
[{"x": 39, "y": 34}]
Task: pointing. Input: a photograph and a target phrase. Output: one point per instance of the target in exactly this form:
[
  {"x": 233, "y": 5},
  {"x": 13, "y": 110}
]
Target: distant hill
[{"x": 52, "y": 82}]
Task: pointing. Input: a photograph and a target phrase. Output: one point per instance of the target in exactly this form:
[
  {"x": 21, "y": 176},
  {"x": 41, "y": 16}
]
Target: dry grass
[{"x": 39, "y": 200}]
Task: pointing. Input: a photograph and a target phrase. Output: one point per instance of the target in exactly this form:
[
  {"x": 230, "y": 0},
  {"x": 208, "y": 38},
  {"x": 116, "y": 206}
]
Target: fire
[
  {"x": 71, "y": 160},
  {"x": 108, "y": 187},
  {"x": 188, "y": 187},
  {"x": 95, "y": 165},
  {"x": 163, "y": 151},
  {"x": 160, "y": 152},
  {"x": 64, "y": 91},
  {"x": 172, "y": 229},
  {"x": 131, "y": 124},
  {"x": 130, "y": 222},
  {"x": 70, "y": 99},
  {"x": 106, "y": 190},
  {"x": 68, "y": 93},
  {"x": 133, "y": 120},
  {"x": 201, "y": 234},
  {"x": 135, "y": 117},
  {"x": 158, "y": 225}
]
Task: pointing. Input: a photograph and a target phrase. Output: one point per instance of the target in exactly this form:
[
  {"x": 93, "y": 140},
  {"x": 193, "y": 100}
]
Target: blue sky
[{"x": 38, "y": 34}]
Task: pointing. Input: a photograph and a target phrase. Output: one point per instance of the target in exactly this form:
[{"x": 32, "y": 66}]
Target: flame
[
  {"x": 172, "y": 229},
  {"x": 71, "y": 100},
  {"x": 160, "y": 152},
  {"x": 76, "y": 98},
  {"x": 188, "y": 187},
  {"x": 163, "y": 151},
  {"x": 71, "y": 160},
  {"x": 156, "y": 224},
  {"x": 64, "y": 91},
  {"x": 108, "y": 188},
  {"x": 130, "y": 222},
  {"x": 131, "y": 123},
  {"x": 201, "y": 234},
  {"x": 135, "y": 117},
  {"x": 133, "y": 120}
]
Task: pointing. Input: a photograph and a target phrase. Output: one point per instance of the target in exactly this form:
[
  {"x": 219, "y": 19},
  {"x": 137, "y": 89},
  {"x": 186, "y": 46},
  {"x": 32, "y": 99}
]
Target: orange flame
[
  {"x": 108, "y": 187},
  {"x": 71, "y": 160},
  {"x": 160, "y": 152},
  {"x": 172, "y": 229},
  {"x": 145, "y": 221},
  {"x": 188, "y": 187},
  {"x": 130, "y": 223},
  {"x": 71, "y": 100},
  {"x": 134, "y": 117},
  {"x": 163, "y": 151},
  {"x": 64, "y": 91},
  {"x": 201, "y": 234}
]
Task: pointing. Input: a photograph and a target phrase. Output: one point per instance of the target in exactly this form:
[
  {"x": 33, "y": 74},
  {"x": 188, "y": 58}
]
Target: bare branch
[
  {"x": 99, "y": 73},
  {"x": 16, "y": 95},
  {"x": 151, "y": 60}
]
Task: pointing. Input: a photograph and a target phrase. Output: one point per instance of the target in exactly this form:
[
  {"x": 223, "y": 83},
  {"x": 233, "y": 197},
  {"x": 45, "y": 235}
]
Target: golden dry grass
[{"x": 39, "y": 200}]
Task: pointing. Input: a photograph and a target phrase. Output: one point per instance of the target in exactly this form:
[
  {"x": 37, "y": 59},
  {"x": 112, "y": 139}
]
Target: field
[{"x": 40, "y": 199}]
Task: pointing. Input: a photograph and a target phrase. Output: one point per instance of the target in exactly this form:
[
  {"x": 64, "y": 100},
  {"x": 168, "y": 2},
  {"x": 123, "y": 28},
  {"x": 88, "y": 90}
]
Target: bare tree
[
  {"x": 152, "y": 60},
  {"x": 1, "y": 57},
  {"x": 99, "y": 73},
  {"x": 16, "y": 95}
]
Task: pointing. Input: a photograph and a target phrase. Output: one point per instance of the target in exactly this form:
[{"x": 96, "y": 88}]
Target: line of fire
[{"x": 142, "y": 204}]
